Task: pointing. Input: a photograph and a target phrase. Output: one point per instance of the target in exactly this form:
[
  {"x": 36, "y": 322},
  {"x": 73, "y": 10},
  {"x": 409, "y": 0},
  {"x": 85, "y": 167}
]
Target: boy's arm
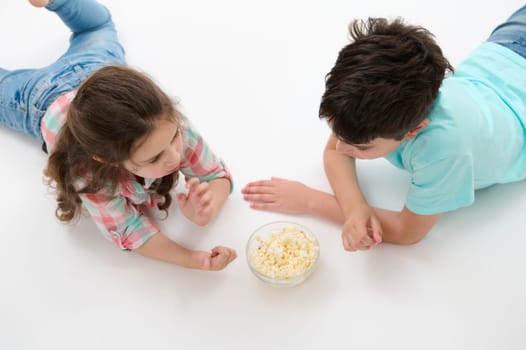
[
  {"x": 341, "y": 173},
  {"x": 293, "y": 197},
  {"x": 405, "y": 227},
  {"x": 361, "y": 226},
  {"x": 348, "y": 208}
]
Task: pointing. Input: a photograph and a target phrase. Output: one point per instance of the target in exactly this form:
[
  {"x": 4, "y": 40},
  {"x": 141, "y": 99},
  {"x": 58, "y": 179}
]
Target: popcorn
[{"x": 285, "y": 254}]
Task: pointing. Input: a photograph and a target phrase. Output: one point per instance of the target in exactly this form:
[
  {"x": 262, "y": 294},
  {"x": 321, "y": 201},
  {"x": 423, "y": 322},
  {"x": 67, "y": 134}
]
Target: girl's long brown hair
[{"x": 113, "y": 109}]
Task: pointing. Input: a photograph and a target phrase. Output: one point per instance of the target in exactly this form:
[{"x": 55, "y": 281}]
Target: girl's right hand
[
  {"x": 197, "y": 204},
  {"x": 217, "y": 259}
]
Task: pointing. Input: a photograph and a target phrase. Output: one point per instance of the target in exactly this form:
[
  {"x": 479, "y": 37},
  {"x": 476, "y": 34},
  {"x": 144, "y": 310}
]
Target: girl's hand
[
  {"x": 196, "y": 205},
  {"x": 217, "y": 259}
]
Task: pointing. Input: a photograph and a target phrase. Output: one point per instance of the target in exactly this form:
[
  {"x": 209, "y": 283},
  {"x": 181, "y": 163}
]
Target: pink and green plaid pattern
[{"x": 121, "y": 216}]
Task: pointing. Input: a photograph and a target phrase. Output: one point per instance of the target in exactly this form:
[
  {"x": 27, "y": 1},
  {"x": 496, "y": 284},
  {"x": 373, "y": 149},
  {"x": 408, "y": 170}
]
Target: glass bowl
[{"x": 282, "y": 253}]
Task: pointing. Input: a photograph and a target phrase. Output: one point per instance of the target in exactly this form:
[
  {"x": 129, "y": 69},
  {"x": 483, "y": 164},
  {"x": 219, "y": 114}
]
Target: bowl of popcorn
[{"x": 282, "y": 253}]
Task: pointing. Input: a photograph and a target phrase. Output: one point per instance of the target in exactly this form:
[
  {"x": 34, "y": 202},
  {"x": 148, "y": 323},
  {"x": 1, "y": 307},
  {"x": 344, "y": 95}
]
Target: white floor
[{"x": 250, "y": 75}]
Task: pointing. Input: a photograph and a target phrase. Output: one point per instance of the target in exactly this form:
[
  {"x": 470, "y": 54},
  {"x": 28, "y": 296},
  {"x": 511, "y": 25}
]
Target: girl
[{"x": 115, "y": 139}]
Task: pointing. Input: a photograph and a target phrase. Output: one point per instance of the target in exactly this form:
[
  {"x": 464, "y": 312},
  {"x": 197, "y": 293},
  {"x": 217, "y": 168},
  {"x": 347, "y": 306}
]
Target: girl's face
[
  {"x": 158, "y": 154},
  {"x": 379, "y": 147}
]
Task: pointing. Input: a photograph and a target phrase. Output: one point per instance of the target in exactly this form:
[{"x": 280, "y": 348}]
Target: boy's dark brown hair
[
  {"x": 384, "y": 83},
  {"x": 113, "y": 109}
]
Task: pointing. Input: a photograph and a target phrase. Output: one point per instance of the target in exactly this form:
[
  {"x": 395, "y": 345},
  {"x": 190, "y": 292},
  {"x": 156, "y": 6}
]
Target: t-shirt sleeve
[
  {"x": 199, "y": 160},
  {"x": 119, "y": 220},
  {"x": 443, "y": 185}
]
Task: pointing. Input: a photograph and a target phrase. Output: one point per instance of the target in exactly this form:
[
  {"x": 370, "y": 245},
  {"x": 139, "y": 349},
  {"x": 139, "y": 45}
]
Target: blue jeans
[
  {"x": 512, "y": 33},
  {"x": 25, "y": 94}
]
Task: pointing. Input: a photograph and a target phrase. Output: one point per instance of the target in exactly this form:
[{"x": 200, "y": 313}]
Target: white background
[{"x": 250, "y": 75}]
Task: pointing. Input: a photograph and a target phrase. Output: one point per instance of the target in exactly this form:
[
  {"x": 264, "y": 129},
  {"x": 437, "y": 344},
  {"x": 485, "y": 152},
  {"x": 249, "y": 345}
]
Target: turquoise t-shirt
[{"x": 476, "y": 133}]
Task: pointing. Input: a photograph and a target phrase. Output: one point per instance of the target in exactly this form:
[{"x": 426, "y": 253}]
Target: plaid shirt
[{"x": 120, "y": 216}]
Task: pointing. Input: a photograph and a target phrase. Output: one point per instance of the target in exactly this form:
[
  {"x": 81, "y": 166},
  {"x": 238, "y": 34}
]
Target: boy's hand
[
  {"x": 280, "y": 195},
  {"x": 361, "y": 230},
  {"x": 217, "y": 259},
  {"x": 197, "y": 204}
]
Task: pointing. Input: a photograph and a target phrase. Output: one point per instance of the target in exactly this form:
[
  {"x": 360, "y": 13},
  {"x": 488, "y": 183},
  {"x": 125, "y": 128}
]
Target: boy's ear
[{"x": 411, "y": 134}]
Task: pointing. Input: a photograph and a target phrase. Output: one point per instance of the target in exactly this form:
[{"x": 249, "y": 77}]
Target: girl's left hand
[{"x": 196, "y": 205}]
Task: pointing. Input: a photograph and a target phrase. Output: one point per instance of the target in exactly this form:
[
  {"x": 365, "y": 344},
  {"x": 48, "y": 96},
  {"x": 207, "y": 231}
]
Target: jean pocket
[{"x": 14, "y": 90}]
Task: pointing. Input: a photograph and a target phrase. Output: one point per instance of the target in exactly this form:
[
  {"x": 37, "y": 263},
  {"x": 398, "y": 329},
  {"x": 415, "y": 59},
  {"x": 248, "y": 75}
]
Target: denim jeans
[
  {"x": 25, "y": 94},
  {"x": 512, "y": 33}
]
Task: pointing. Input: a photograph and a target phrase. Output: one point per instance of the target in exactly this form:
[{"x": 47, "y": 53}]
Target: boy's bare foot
[{"x": 39, "y": 3}]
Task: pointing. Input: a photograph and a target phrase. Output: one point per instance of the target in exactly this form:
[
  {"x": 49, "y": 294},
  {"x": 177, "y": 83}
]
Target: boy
[{"x": 388, "y": 96}]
